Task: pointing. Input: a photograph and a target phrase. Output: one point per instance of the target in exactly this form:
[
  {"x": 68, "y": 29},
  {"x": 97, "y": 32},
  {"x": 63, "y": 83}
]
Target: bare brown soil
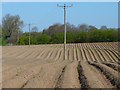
[{"x": 88, "y": 65}]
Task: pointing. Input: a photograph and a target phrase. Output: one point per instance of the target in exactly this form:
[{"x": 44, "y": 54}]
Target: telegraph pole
[
  {"x": 18, "y": 36},
  {"x": 29, "y": 34},
  {"x": 64, "y": 7}
]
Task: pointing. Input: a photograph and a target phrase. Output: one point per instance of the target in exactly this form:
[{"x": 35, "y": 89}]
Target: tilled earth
[{"x": 88, "y": 65}]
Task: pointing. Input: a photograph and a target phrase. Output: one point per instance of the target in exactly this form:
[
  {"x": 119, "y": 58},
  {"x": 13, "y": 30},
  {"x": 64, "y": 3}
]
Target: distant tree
[
  {"x": 56, "y": 28},
  {"x": 23, "y": 40},
  {"x": 111, "y": 35},
  {"x": 11, "y": 26},
  {"x": 34, "y": 29},
  {"x": 103, "y": 28},
  {"x": 58, "y": 38},
  {"x": 95, "y": 36},
  {"x": 55, "y": 33},
  {"x": 0, "y": 25},
  {"x": 34, "y": 40},
  {"x": 71, "y": 37},
  {"x": 70, "y": 27},
  {"x": 44, "y": 30},
  {"x": 0, "y": 35},
  {"x": 44, "y": 39},
  {"x": 0, "y": 31},
  {"x": 81, "y": 37},
  {"x": 83, "y": 28},
  {"x": 92, "y": 27}
]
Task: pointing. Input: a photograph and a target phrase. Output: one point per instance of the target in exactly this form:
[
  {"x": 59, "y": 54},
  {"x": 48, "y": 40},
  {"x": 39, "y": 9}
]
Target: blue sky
[{"x": 44, "y": 14}]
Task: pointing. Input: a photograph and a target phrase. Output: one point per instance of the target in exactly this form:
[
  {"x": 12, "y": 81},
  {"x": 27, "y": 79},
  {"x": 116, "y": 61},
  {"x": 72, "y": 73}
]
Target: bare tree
[
  {"x": 103, "y": 28},
  {"x": 34, "y": 29},
  {"x": 11, "y": 26},
  {"x": 83, "y": 28}
]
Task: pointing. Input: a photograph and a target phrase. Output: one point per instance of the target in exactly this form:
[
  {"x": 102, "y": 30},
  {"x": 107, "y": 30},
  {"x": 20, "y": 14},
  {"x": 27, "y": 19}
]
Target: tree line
[{"x": 12, "y": 33}]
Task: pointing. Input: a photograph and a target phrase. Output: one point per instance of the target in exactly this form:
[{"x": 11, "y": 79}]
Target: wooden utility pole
[
  {"x": 64, "y": 7},
  {"x": 29, "y": 34}
]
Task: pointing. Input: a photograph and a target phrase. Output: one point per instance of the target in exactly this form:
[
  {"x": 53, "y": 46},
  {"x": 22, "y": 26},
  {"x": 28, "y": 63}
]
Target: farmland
[{"x": 88, "y": 65}]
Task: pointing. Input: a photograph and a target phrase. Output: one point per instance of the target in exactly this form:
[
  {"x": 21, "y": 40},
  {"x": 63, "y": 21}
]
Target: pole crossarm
[{"x": 63, "y": 6}]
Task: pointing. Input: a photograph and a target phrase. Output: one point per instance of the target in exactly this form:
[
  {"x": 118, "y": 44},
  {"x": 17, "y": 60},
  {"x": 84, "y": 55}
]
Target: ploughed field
[{"x": 88, "y": 65}]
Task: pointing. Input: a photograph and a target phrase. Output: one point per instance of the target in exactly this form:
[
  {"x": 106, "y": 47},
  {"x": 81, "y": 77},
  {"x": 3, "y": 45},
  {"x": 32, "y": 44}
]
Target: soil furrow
[
  {"x": 82, "y": 78},
  {"x": 111, "y": 75}
]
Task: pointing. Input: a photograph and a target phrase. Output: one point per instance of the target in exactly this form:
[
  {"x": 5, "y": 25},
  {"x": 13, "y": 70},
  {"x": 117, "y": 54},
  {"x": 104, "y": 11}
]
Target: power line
[{"x": 64, "y": 7}]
